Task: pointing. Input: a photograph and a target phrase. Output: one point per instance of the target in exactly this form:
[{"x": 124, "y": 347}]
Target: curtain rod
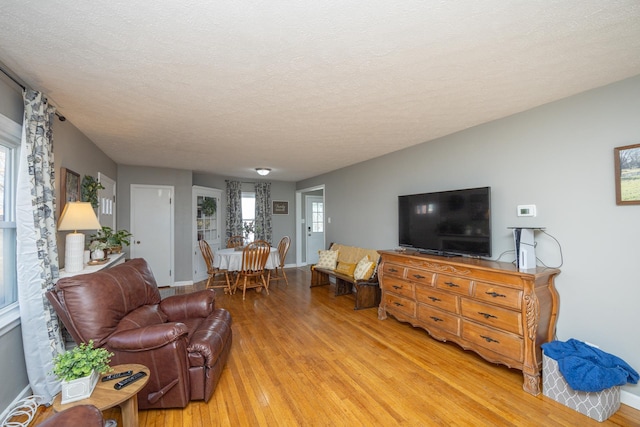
[{"x": 60, "y": 116}]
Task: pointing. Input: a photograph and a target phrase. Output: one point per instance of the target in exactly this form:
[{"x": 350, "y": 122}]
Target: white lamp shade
[
  {"x": 78, "y": 216},
  {"x": 263, "y": 171}
]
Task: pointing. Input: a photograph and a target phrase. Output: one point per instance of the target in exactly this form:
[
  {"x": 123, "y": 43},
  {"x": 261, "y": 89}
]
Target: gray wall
[{"x": 559, "y": 157}]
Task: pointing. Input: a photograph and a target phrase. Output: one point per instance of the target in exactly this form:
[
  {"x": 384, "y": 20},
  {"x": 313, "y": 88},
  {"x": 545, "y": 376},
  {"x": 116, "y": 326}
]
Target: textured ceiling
[{"x": 305, "y": 87}]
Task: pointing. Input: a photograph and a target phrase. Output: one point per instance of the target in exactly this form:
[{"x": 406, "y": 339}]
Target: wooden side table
[{"x": 104, "y": 396}]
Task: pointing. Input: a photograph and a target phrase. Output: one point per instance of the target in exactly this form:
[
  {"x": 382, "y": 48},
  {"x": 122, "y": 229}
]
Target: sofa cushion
[
  {"x": 364, "y": 269},
  {"x": 345, "y": 268},
  {"x": 353, "y": 254},
  {"x": 327, "y": 259},
  {"x": 142, "y": 316}
]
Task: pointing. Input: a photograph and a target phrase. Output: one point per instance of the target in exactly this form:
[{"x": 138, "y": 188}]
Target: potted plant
[
  {"x": 97, "y": 248},
  {"x": 113, "y": 239},
  {"x": 90, "y": 188},
  {"x": 79, "y": 370}
]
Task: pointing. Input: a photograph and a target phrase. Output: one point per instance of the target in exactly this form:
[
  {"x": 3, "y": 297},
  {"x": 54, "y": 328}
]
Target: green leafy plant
[
  {"x": 97, "y": 244},
  {"x": 80, "y": 361},
  {"x": 90, "y": 188},
  {"x": 112, "y": 238}
]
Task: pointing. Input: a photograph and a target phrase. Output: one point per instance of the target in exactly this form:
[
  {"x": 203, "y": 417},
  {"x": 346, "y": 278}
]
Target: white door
[
  {"x": 314, "y": 223},
  {"x": 206, "y": 226},
  {"x": 107, "y": 201},
  {"x": 152, "y": 229}
]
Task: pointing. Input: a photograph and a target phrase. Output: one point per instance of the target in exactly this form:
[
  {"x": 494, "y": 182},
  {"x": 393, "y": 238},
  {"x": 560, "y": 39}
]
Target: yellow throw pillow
[
  {"x": 364, "y": 269},
  {"x": 345, "y": 268},
  {"x": 327, "y": 259}
]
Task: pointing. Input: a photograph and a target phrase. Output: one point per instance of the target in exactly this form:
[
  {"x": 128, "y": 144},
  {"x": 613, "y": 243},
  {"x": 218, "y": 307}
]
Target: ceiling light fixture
[{"x": 263, "y": 171}]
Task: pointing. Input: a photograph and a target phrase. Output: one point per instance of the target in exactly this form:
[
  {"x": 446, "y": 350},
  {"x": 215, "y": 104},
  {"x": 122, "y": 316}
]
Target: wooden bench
[{"x": 366, "y": 292}]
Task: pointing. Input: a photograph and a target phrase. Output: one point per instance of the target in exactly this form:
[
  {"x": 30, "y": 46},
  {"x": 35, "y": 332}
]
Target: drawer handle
[
  {"x": 397, "y": 287},
  {"x": 393, "y": 270},
  {"x": 487, "y": 315},
  {"x": 489, "y": 339},
  {"x": 495, "y": 294},
  {"x": 437, "y": 319},
  {"x": 397, "y": 304},
  {"x": 418, "y": 276},
  {"x": 451, "y": 285},
  {"x": 434, "y": 299}
]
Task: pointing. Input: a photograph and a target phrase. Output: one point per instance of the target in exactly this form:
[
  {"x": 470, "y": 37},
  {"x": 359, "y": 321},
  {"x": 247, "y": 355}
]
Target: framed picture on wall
[
  {"x": 627, "y": 165},
  {"x": 280, "y": 207},
  {"x": 69, "y": 187}
]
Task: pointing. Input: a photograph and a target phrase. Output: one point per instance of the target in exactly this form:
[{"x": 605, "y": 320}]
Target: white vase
[
  {"x": 79, "y": 389},
  {"x": 97, "y": 254}
]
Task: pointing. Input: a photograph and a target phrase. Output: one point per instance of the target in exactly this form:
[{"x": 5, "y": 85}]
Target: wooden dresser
[{"x": 489, "y": 307}]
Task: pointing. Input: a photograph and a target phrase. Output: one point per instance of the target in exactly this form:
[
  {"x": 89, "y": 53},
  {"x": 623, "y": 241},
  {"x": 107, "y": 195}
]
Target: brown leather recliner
[{"x": 183, "y": 340}]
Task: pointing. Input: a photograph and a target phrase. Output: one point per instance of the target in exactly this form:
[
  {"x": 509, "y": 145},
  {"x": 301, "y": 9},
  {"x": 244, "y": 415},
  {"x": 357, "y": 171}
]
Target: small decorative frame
[
  {"x": 627, "y": 165},
  {"x": 280, "y": 208},
  {"x": 69, "y": 187}
]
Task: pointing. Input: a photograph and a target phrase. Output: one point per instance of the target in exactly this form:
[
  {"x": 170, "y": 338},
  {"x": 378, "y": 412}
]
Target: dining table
[{"x": 230, "y": 259}]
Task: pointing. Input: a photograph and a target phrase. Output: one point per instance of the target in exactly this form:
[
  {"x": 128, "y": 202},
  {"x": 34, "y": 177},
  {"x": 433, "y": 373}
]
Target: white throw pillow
[{"x": 327, "y": 259}]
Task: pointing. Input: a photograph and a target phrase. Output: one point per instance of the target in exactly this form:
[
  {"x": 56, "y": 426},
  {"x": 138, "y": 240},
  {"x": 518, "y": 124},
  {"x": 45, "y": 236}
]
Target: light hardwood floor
[{"x": 303, "y": 357}]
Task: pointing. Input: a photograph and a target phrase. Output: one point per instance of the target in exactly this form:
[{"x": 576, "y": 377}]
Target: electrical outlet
[{"x": 526, "y": 210}]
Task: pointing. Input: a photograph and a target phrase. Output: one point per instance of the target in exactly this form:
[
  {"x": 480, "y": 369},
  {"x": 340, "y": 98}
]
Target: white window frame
[{"x": 10, "y": 136}]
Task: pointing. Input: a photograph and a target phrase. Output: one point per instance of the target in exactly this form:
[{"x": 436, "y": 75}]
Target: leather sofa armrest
[
  {"x": 189, "y": 306},
  {"x": 148, "y": 337}
]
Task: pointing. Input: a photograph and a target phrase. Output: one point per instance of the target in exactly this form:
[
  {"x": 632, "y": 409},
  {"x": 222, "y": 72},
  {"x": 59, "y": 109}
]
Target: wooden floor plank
[{"x": 302, "y": 356}]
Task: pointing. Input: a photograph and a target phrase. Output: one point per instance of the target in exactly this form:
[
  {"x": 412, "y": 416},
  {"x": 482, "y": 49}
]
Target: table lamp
[{"x": 76, "y": 216}]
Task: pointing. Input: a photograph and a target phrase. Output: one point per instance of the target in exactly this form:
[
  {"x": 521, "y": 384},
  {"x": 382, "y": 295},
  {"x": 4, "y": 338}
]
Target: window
[
  {"x": 317, "y": 217},
  {"x": 248, "y": 215},
  {"x": 9, "y": 142}
]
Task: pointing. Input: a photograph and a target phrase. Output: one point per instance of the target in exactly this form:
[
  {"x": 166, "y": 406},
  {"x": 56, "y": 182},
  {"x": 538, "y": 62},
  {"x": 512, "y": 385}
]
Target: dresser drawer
[
  {"x": 504, "y": 296},
  {"x": 396, "y": 303},
  {"x": 502, "y": 343},
  {"x": 432, "y": 317},
  {"x": 436, "y": 298},
  {"x": 399, "y": 286},
  {"x": 390, "y": 269},
  {"x": 497, "y": 317},
  {"x": 420, "y": 276},
  {"x": 453, "y": 284}
]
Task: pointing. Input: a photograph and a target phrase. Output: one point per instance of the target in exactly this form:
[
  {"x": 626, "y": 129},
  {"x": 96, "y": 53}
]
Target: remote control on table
[
  {"x": 116, "y": 376},
  {"x": 125, "y": 382}
]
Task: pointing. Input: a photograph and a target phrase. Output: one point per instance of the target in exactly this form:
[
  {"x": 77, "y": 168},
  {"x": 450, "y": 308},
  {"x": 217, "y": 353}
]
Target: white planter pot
[
  {"x": 97, "y": 254},
  {"x": 79, "y": 389}
]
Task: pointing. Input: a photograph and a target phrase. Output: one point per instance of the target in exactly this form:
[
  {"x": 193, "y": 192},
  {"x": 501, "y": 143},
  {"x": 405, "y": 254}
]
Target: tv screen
[{"x": 448, "y": 222}]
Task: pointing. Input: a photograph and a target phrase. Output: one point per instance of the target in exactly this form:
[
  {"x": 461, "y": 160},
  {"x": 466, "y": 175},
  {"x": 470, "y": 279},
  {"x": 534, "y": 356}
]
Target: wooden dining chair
[
  {"x": 212, "y": 271},
  {"x": 283, "y": 248},
  {"x": 254, "y": 259},
  {"x": 235, "y": 241}
]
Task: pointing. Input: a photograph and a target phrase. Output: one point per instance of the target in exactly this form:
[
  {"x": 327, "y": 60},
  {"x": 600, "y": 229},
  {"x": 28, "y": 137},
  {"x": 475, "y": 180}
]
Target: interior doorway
[
  {"x": 310, "y": 224},
  {"x": 152, "y": 228}
]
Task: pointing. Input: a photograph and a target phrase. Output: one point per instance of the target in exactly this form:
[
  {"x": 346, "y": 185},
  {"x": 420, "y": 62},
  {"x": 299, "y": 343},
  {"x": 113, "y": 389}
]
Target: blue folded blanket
[{"x": 586, "y": 368}]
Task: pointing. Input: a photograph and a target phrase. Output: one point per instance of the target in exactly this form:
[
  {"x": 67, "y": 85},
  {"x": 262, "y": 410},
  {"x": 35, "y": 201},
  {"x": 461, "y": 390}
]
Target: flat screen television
[{"x": 447, "y": 222}]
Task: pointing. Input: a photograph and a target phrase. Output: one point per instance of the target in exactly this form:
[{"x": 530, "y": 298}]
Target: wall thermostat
[{"x": 526, "y": 210}]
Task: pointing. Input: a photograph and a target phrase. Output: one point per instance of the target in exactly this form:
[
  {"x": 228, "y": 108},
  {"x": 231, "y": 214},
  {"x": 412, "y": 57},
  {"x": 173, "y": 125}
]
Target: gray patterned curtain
[
  {"x": 263, "y": 211},
  {"x": 233, "y": 222},
  {"x": 37, "y": 252}
]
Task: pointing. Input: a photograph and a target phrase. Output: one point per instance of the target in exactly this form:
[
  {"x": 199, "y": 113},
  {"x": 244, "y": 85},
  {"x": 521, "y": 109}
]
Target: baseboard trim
[
  {"x": 183, "y": 283},
  {"x": 630, "y": 399}
]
